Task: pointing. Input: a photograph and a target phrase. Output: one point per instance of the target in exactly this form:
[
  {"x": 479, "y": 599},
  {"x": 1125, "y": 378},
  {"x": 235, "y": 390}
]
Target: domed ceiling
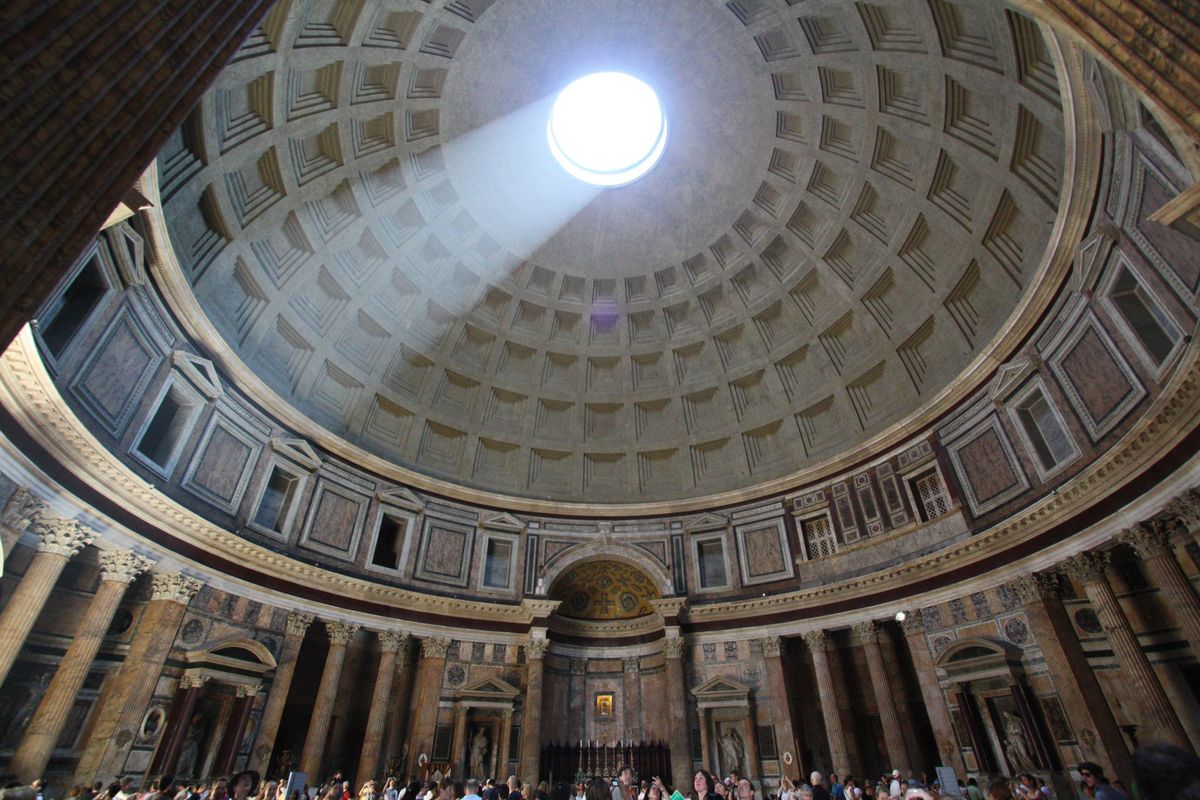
[
  {"x": 604, "y": 590},
  {"x": 853, "y": 200}
]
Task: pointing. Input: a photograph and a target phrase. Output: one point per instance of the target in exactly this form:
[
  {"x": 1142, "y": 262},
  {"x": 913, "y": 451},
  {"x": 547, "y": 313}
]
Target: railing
[{"x": 587, "y": 760}]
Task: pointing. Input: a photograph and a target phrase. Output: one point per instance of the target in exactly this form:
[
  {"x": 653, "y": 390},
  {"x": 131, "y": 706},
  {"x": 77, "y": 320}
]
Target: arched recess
[{"x": 632, "y": 556}]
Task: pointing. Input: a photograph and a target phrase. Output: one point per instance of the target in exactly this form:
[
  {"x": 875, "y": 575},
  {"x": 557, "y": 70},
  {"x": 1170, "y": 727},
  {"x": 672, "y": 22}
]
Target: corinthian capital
[
  {"x": 1186, "y": 508},
  {"x": 62, "y": 537},
  {"x": 173, "y": 587},
  {"x": 815, "y": 640},
  {"x": 434, "y": 647},
  {"x": 1038, "y": 586},
  {"x": 340, "y": 633},
  {"x": 1087, "y": 567},
  {"x": 298, "y": 622},
  {"x": 122, "y": 566},
  {"x": 673, "y": 647},
  {"x": 771, "y": 646},
  {"x": 866, "y": 631},
  {"x": 1149, "y": 539},
  {"x": 537, "y": 648},
  {"x": 912, "y": 623},
  {"x": 392, "y": 641},
  {"x": 21, "y": 509}
]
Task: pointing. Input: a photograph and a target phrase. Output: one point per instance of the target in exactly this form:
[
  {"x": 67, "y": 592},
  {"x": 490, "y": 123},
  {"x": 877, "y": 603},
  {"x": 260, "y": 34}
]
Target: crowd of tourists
[{"x": 1163, "y": 772}]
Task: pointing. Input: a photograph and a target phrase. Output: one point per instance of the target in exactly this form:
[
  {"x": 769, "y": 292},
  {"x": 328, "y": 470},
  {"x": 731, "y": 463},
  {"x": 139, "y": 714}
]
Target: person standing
[{"x": 817, "y": 780}]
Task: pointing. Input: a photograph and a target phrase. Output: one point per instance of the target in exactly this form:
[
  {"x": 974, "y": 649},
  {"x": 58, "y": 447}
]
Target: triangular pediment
[
  {"x": 400, "y": 497},
  {"x": 298, "y": 451},
  {"x": 1090, "y": 258},
  {"x": 489, "y": 688},
  {"x": 1009, "y": 376},
  {"x": 200, "y": 371},
  {"x": 503, "y": 522},
  {"x": 721, "y": 687},
  {"x": 705, "y": 522}
]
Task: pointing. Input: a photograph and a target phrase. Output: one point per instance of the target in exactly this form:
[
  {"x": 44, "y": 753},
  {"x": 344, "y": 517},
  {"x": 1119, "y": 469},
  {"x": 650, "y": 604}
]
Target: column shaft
[
  {"x": 281, "y": 684},
  {"x": 235, "y": 729},
  {"x": 838, "y": 754},
  {"x": 505, "y": 746},
  {"x": 61, "y": 539},
  {"x": 312, "y": 759},
  {"x": 935, "y": 699},
  {"x": 368, "y": 762},
  {"x": 632, "y": 700},
  {"x": 753, "y": 764},
  {"x": 680, "y": 741},
  {"x": 780, "y": 710},
  {"x": 1160, "y": 722},
  {"x": 705, "y": 737},
  {"x": 458, "y": 743},
  {"x": 46, "y": 725},
  {"x": 1152, "y": 541},
  {"x": 426, "y": 693},
  {"x": 398, "y": 710},
  {"x": 531, "y": 718},
  {"x": 127, "y": 694},
  {"x": 893, "y": 734},
  {"x": 178, "y": 724},
  {"x": 1078, "y": 688}
]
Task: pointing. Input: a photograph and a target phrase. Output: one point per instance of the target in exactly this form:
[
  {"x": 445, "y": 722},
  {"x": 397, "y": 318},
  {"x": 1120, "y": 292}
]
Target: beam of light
[{"x": 511, "y": 184}]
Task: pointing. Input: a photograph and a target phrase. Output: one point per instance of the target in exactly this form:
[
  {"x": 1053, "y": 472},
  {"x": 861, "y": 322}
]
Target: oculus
[{"x": 607, "y": 129}]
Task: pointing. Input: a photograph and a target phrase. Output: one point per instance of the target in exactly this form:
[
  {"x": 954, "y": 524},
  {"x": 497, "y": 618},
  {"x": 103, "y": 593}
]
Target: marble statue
[
  {"x": 479, "y": 749},
  {"x": 1016, "y": 745},
  {"x": 731, "y": 750}
]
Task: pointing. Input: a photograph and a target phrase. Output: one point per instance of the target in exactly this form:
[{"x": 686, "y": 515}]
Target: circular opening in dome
[{"x": 607, "y": 129}]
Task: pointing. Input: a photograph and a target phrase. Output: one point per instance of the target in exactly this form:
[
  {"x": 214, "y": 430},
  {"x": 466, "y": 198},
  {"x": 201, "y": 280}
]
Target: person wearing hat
[{"x": 1093, "y": 777}]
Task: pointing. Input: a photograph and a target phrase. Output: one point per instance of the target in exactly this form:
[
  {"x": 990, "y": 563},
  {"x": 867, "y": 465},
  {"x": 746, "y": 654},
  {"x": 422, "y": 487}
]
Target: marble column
[
  {"x": 932, "y": 694},
  {"x": 281, "y": 685},
  {"x": 458, "y": 743},
  {"x": 531, "y": 716},
  {"x": 60, "y": 540},
  {"x": 368, "y": 762},
  {"x": 706, "y": 756},
  {"x": 501, "y": 771},
  {"x": 118, "y": 568},
  {"x": 893, "y": 734},
  {"x": 631, "y": 699},
  {"x": 680, "y": 741},
  {"x": 1078, "y": 688},
  {"x": 235, "y": 730},
  {"x": 753, "y": 763},
  {"x": 426, "y": 693},
  {"x": 780, "y": 713},
  {"x": 398, "y": 710},
  {"x": 817, "y": 642},
  {"x": 1152, "y": 541},
  {"x": 127, "y": 693},
  {"x": 1158, "y": 717},
  {"x": 178, "y": 724},
  {"x": 21, "y": 508},
  {"x": 340, "y": 634}
]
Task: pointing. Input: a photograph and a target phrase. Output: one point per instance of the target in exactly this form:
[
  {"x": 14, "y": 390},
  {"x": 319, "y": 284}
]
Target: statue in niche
[
  {"x": 479, "y": 751},
  {"x": 189, "y": 754},
  {"x": 731, "y": 750},
  {"x": 1016, "y": 744}
]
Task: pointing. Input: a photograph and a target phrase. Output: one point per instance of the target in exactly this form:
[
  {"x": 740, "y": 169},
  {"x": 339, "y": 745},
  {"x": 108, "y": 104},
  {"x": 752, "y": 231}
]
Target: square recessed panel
[
  {"x": 763, "y": 553},
  {"x": 445, "y": 552}
]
